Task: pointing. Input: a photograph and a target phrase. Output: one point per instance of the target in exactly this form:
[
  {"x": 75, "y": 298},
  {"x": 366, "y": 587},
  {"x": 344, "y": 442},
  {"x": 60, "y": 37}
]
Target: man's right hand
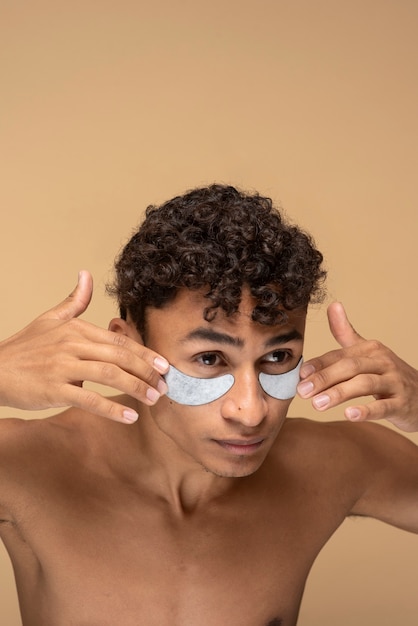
[{"x": 45, "y": 364}]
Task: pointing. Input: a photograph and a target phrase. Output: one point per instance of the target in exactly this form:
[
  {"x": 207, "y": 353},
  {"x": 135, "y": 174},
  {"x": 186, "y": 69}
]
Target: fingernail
[
  {"x": 161, "y": 364},
  {"x": 306, "y": 370},
  {"x": 152, "y": 395},
  {"x": 305, "y": 389},
  {"x": 352, "y": 413},
  {"x": 130, "y": 416},
  {"x": 321, "y": 401},
  {"x": 162, "y": 387}
]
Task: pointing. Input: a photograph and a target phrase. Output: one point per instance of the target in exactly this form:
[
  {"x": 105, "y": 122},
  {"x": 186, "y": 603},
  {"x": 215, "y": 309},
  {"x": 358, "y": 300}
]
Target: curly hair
[{"x": 219, "y": 239}]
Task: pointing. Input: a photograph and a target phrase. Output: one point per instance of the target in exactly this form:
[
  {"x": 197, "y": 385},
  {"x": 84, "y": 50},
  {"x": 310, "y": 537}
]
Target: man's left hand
[{"x": 361, "y": 368}]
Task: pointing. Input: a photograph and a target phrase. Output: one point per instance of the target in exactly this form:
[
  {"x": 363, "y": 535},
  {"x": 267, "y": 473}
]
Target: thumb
[
  {"x": 340, "y": 326},
  {"x": 77, "y": 302}
]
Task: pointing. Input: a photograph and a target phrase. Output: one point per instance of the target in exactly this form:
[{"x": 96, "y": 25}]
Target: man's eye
[
  {"x": 209, "y": 359},
  {"x": 278, "y": 356}
]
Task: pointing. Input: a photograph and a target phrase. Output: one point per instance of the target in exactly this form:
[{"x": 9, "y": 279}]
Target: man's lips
[{"x": 241, "y": 446}]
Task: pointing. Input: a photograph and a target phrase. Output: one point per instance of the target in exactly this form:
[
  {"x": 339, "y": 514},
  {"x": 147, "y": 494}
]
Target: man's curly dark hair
[{"x": 219, "y": 239}]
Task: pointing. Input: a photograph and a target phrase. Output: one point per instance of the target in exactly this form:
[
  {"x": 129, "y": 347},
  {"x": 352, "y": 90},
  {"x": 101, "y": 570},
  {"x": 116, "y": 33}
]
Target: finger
[
  {"x": 76, "y": 303},
  {"x": 381, "y": 409},
  {"x": 360, "y": 386},
  {"x": 93, "y": 402},
  {"x": 376, "y": 410},
  {"x": 154, "y": 359},
  {"x": 342, "y": 331},
  {"x": 340, "y": 327},
  {"x": 341, "y": 370},
  {"x": 97, "y": 344},
  {"x": 113, "y": 376}
]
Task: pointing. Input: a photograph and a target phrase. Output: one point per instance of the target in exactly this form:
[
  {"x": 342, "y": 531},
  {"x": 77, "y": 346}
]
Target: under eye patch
[
  {"x": 193, "y": 391},
  {"x": 281, "y": 386}
]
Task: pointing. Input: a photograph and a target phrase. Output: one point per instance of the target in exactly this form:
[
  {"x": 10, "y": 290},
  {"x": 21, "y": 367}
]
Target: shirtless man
[{"x": 212, "y": 506}]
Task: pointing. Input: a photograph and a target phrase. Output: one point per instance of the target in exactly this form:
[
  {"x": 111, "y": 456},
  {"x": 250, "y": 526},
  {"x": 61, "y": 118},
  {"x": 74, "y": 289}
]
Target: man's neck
[{"x": 173, "y": 474}]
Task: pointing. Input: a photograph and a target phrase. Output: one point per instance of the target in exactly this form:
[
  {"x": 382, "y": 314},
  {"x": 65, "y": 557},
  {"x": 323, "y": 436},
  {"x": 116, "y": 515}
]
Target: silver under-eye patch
[
  {"x": 281, "y": 386},
  {"x": 193, "y": 391}
]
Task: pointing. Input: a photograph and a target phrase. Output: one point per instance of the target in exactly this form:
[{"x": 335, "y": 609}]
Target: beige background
[{"x": 108, "y": 106}]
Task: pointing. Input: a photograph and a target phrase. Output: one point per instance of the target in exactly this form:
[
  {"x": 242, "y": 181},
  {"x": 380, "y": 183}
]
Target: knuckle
[
  {"x": 321, "y": 379},
  {"x": 145, "y": 354},
  {"x": 120, "y": 355},
  {"x": 93, "y": 402},
  {"x": 367, "y": 413},
  {"x": 74, "y": 324},
  {"x": 112, "y": 411},
  {"x": 68, "y": 345},
  {"x": 354, "y": 364},
  {"x": 374, "y": 345},
  {"x": 138, "y": 387},
  {"x": 150, "y": 376},
  {"x": 144, "y": 374},
  {"x": 108, "y": 371},
  {"x": 120, "y": 340},
  {"x": 69, "y": 330},
  {"x": 370, "y": 384},
  {"x": 90, "y": 401},
  {"x": 338, "y": 395}
]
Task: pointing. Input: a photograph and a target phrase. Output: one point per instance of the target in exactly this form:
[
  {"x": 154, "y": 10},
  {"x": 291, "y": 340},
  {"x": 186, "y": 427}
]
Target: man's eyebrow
[
  {"x": 207, "y": 334},
  {"x": 215, "y": 336},
  {"x": 284, "y": 338}
]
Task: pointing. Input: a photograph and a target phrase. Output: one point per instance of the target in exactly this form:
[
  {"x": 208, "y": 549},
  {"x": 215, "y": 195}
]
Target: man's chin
[{"x": 236, "y": 471}]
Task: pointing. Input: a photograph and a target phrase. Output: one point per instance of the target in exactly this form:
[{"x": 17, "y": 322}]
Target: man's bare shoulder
[
  {"x": 341, "y": 450},
  {"x": 26, "y": 435},
  {"x": 314, "y": 438},
  {"x": 48, "y": 455},
  {"x": 372, "y": 466},
  {"x": 65, "y": 429},
  {"x": 30, "y": 447},
  {"x": 71, "y": 432},
  {"x": 327, "y": 432}
]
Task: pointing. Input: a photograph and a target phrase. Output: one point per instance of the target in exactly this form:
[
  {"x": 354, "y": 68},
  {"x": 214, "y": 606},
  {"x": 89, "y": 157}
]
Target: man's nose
[{"x": 246, "y": 401}]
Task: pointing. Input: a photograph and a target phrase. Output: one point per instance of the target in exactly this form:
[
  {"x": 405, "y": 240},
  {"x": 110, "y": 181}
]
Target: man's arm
[
  {"x": 388, "y": 464},
  {"x": 45, "y": 364},
  {"x": 361, "y": 368},
  {"x": 386, "y": 461}
]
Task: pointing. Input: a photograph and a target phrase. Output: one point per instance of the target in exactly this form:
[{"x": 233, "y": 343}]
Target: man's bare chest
[{"x": 126, "y": 558}]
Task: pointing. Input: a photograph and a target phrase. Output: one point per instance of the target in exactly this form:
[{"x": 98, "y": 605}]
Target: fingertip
[
  {"x": 321, "y": 402},
  {"x": 85, "y": 278},
  {"x": 336, "y": 308},
  {"x": 129, "y": 416},
  {"x": 84, "y": 289},
  {"x": 353, "y": 414},
  {"x": 161, "y": 364},
  {"x": 152, "y": 395},
  {"x": 305, "y": 389}
]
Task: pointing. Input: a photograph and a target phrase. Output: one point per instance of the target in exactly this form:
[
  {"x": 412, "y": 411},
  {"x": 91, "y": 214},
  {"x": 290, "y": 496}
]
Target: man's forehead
[{"x": 187, "y": 314}]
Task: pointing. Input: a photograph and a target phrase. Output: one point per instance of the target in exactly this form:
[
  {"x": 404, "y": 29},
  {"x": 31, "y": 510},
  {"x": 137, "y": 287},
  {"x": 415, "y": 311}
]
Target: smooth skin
[{"x": 190, "y": 515}]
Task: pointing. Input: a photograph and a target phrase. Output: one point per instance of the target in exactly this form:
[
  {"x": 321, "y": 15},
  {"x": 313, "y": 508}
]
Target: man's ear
[{"x": 125, "y": 327}]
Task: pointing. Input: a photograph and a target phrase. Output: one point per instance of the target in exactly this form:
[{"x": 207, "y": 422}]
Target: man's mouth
[{"x": 241, "y": 446}]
